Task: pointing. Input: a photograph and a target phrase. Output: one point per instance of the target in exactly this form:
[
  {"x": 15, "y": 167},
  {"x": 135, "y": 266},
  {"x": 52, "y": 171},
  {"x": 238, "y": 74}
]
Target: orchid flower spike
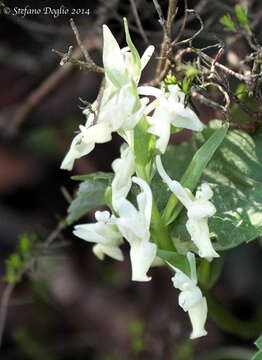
[
  {"x": 104, "y": 233},
  {"x": 191, "y": 299},
  {"x": 199, "y": 209},
  {"x": 134, "y": 225},
  {"x": 170, "y": 110}
]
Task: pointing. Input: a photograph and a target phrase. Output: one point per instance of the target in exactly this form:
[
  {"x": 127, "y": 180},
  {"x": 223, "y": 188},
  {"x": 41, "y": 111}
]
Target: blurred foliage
[{"x": 17, "y": 262}]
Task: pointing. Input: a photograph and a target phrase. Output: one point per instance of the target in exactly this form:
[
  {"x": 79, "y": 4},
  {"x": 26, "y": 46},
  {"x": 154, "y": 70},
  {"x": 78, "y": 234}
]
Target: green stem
[
  {"x": 229, "y": 323},
  {"x": 204, "y": 273},
  {"x": 159, "y": 232}
]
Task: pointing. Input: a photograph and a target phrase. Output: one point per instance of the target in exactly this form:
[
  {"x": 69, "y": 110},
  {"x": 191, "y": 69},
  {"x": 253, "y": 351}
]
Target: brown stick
[{"x": 138, "y": 22}]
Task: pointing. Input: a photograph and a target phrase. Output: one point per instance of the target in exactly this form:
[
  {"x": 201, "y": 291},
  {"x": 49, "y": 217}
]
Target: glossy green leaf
[
  {"x": 194, "y": 171},
  {"x": 89, "y": 195},
  {"x": 258, "y": 342},
  {"x": 235, "y": 175},
  {"x": 258, "y": 355}
]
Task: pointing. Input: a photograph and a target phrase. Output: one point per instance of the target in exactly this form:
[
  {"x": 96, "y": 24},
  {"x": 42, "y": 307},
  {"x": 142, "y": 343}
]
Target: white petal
[
  {"x": 124, "y": 168},
  {"x": 184, "y": 117},
  {"x": 125, "y": 209},
  {"x": 98, "y": 133},
  {"x": 76, "y": 151},
  {"x": 199, "y": 232},
  {"x": 98, "y": 251},
  {"x": 113, "y": 59},
  {"x": 198, "y": 315},
  {"x": 144, "y": 202},
  {"x": 181, "y": 193},
  {"x": 204, "y": 192},
  {"x": 102, "y": 216},
  {"x": 201, "y": 209},
  {"x": 114, "y": 252},
  {"x": 176, "y": 94},
  {"x": 147, "y": 56},
  {"x": 142, "y": 255},
  {"x": 181, "y": 281},
  {"x": 161, "y": 128},
  {"x": 189, "y": 298},
  {"x": 98, "y": 232},
  {"x": 149, "y": 91}
]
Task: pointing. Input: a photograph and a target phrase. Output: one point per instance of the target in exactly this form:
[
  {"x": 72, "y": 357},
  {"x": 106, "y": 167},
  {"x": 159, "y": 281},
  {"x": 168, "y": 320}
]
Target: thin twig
[
  {"x": 204, "y": 100},
  {"x": 80, "y": 44},
  {"x": 68, "y": 58},
  {"x": 54, "y": 234},
  {"x": 161, "y": 20},
  {"x": 189, "y": 40},
  {"x": 138, "y": 22},
  {"x": 171, "y": 13},
  {"x": 167, "y": 26},
  {"x": 4, "y": 307},
  {"x": 181, "y": 31},
  {"x": 225, "y": 94}
]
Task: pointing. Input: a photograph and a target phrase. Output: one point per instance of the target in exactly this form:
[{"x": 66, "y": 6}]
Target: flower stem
[{"x": 159, "y": 231}]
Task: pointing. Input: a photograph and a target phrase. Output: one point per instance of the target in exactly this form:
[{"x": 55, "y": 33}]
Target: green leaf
[
  {"x": 194, "y": 171},
  {"x": 258, "y": 342},
  {"x": 242, "y": 16},
  {"x": 90, "y": 195},
  {"x": 235, "y": 175},
  {"x": 227, "y": 21},
  {"x": 258, "y": 355},
  {"x": 176, "y": 259},
  {"x": 97, "y": 176}
]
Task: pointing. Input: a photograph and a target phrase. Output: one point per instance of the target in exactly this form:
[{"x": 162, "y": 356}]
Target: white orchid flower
[
  {"x": 123, "y": 110},
  {"x": 199, "y": 209},
  {"x": 124, "y": 168},
  {"x": 120, "y": 108},
  {"x": 134, "y": 225},
  {"x": 170, "y": 110},
  {"x": 104, "y": 233},
  {"x": 120, "y": 66},
  {"x": 84, "y": 142},
  {"x": 191, "y": 299}
]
